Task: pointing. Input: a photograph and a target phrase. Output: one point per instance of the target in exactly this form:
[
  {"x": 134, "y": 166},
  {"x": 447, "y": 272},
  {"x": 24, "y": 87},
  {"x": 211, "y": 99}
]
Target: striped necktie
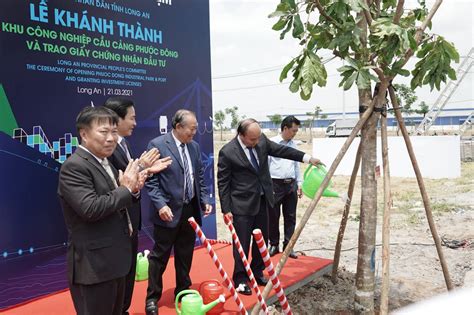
[
  {"x": 188, "y": 185},
  {"x": 124, "y": 146}
]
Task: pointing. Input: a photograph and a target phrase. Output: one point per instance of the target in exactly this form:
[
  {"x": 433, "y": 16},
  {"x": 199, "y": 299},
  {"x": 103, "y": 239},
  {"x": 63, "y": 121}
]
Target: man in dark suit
[
  {"x": 96, "y": 210},
  {"x": 177, "y": 194},
  {"x": 245, "y": 191},
  {"x": 125, "y": 110}
]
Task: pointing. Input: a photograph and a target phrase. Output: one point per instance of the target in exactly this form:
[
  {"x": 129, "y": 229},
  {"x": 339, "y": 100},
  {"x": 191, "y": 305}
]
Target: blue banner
[{"x": 58, "y": 56}]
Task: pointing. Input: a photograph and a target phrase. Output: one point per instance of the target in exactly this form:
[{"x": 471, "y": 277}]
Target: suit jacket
[
  {"x": 120, "y": 161},
  {"x": 240, "y": 185},
  {"x": 98, "y": 238},
  {"x": 167, "y": 186}
]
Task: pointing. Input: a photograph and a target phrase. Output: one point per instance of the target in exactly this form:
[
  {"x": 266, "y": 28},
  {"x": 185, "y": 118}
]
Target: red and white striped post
[
  {"x": 212, "y": 242},
  {"x": 218, "y": 264},
  {"x": 236, "y": 240},
  {"x": 257, "y": 234}
]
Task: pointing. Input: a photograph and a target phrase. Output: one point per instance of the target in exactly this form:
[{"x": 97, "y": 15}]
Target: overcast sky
[{"x": 242, "y": 43}]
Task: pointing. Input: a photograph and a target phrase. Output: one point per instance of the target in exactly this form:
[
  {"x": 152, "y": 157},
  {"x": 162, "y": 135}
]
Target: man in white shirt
[{"x": 286, "y": 180}]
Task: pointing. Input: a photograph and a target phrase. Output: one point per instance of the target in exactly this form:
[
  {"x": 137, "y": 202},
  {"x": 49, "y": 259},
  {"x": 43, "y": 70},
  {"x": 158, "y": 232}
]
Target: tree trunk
[
  {"x": 221, "y": 133},
  {"x": 364, "y": 296}
]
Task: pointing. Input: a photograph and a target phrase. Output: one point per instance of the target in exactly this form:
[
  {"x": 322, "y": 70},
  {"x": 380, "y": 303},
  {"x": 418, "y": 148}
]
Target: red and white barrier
[
  {"x": 236, "y": 240},
  {"x": 218, "y": 264},
  {"x": 212, "y": 242},
  {"x": 257, "y": 234}
]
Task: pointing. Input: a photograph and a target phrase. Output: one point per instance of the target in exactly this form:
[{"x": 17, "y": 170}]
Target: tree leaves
[
  {"x": 287, "y": 11},
  {"x": 298, "y": 28},
  {"x": 285, "y": 70},
  {"x": 358, "y": 73},
  {"x": 435, "y": 64},
  {"x": 357, "y": 5},
  {"x": 338, "y": 25},
  {"x": 307, "y": 71}
]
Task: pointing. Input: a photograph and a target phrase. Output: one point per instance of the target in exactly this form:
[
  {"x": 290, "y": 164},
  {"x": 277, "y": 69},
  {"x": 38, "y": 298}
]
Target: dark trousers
[
  {"x": 130, "y": 277},
  {"x": 244, "y": 226},
  {"x": 98, "y": 299},
  {"x": 182, "y": 239},
  {"x": 286, "y": 198}
]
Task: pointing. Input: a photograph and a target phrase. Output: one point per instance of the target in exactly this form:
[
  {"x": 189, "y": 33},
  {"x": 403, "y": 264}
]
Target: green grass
[{"x": 442, "y": 207}]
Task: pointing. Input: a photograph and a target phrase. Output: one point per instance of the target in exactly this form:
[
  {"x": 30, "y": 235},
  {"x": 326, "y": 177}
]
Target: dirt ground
[{"x": 415, "y": 271}]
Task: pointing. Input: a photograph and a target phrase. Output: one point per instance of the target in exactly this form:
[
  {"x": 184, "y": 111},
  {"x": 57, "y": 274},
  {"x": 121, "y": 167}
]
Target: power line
[
  {"x": 262, "y": 70},
  {"x": 265, "y": 85},
  {"x": 252, "y": 72}
]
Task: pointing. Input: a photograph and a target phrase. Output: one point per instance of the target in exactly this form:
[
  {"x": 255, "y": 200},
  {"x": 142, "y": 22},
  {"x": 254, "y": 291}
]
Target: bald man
[{"x": 246, "y": 192}]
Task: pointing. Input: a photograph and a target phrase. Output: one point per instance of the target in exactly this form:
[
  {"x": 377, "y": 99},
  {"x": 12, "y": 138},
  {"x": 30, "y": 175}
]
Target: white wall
[{"x": 437, "y": 156}]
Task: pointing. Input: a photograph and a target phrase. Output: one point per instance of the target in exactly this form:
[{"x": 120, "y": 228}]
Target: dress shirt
[
  {"x": 283, "y": 168},
  {"x": 247, "y": 152},
  {"x": 191, "y": 170},
  {"x": 106, "y": 165},
  {"x": 136, "y": 195},
  {"x": 121, "y": 142}
]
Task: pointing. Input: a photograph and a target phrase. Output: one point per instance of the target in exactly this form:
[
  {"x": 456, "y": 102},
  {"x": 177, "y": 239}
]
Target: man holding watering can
[{"x": 246, "y": 192}]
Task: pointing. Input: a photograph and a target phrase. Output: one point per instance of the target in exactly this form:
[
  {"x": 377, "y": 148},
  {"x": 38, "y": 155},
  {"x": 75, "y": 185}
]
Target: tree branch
[
  {"x": 419, "y": 32},
  {"x": 328, "y": 17},
  {"x": 377, "y": 8},
  {"x": 367, "y": 15},
  {"x": 379, "y": 73},
  {"x": 398, "y": 12}
]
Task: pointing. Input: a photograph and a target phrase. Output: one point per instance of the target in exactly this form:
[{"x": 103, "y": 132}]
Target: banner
[{"x": 58, "y": 56}]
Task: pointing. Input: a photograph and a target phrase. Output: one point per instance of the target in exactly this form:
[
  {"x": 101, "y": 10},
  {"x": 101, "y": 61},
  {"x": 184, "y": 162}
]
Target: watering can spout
[{"x": 207, "y": 307}]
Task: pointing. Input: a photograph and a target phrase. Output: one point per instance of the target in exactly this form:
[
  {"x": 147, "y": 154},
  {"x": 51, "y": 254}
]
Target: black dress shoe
[
  {"x": 151, "y": 308},
  {"x": 261, "y": 280},
  {"x": 293, "y": 255},
  {"x": 244, "y": 289},
  {"x": 273, "y": 250}
]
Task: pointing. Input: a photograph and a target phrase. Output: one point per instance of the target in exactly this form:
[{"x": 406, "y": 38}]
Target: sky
[{"x": 247, "y": 57}]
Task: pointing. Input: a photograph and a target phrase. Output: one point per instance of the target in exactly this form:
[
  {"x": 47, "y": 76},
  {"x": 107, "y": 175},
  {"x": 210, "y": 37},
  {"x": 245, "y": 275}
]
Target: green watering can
[
  {"x": 192, "y": 304},
  {"x": 313, "y": 177},
  {"x": 142, "y": 266}
]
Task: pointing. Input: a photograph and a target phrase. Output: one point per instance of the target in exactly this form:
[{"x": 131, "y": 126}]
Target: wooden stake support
[{"x": 421, "y": 185}]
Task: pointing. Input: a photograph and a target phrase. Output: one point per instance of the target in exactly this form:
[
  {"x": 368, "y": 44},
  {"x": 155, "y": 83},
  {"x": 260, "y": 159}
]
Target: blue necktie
[
  {"x": 253, "y": 159},
  {"x": 188, "y": 186}
]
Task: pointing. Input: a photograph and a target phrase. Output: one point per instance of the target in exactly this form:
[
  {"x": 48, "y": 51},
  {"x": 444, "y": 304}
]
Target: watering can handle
[
  {"x": 319, "y": 166},
  {"x": 208, "y": 281},
  {"x": 181, "y": 293},
  {"x": 307, "y": 170}
]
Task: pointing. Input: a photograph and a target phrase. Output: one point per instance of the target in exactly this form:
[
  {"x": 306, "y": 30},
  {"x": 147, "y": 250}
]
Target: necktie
[
  {"x": 124, "y": 146},
  {"x": 188, "y": 185},
  {"x": 108, "y": 169},
  {"x": 253, "y": 159}
]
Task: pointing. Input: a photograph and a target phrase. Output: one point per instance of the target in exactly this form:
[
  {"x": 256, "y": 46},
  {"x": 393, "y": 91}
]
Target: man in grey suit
[
  {"x": 177, "y": 193},
  {"x": 246, "y": 192},
  {"x": 95, "y": 207}
]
